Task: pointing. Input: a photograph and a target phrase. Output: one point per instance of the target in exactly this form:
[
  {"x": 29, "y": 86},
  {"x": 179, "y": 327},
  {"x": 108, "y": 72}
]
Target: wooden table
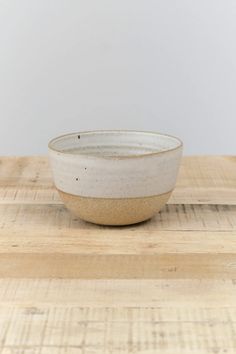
[{"x": 165, "y": 286}]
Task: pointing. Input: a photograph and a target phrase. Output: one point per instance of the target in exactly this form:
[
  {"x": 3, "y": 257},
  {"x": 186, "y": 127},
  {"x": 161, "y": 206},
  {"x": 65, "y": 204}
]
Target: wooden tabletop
[{"x": 165, "y": 286}]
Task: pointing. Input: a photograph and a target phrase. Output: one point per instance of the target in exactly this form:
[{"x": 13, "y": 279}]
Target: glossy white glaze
[{"x": 115, "y": 164}]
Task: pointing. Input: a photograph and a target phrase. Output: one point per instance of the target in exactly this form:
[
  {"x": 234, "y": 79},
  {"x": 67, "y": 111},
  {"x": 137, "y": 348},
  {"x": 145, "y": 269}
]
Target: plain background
[{"x": 71, "y": 65}]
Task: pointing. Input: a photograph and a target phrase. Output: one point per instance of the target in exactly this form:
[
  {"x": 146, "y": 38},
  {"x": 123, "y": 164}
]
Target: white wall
[{"x": 70, "y": 65}]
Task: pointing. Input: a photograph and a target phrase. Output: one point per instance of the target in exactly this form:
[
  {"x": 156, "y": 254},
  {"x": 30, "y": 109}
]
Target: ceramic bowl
[{"x": 115, "y": 177}]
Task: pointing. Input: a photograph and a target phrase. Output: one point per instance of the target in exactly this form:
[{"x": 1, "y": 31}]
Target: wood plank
[
  {"x": 202, "y": 180},
  {"x": 45, "y": 218},
  {"x": 36, "y": 240},
  {"x": 160, "y": 266},
  {"x": 110, "y": 316},
  {"x": 113, "y": 242},
  {"x": 26, "y": 179},
  {"x": 124, "y": 330},
  {"x": 119, "y": 293},
  {"x": 206, "y": 180}
]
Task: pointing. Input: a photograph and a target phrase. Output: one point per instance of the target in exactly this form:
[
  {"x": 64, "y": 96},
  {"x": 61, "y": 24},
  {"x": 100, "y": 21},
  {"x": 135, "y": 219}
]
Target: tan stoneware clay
[{"x": 115, "y": 177}]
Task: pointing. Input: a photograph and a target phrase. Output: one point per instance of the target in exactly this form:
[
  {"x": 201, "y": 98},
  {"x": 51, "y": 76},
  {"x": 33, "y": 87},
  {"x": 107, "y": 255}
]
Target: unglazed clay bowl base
[{"x": 114, "y": 211}]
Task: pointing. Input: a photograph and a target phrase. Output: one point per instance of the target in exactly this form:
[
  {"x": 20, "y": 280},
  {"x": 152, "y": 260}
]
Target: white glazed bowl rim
[{"x": 179, "y": 142}]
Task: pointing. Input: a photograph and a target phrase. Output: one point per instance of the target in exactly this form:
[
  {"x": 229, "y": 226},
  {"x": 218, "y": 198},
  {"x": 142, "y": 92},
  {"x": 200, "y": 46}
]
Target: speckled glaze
[{"x": 115, "y": 177}]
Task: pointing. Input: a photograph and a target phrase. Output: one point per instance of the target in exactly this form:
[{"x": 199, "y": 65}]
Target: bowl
[{"x": 115, "y": 177}]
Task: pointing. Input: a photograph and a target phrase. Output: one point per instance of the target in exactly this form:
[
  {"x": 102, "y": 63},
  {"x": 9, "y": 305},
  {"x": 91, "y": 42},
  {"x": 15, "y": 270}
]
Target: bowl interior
[{"x": 114, "y": 143}]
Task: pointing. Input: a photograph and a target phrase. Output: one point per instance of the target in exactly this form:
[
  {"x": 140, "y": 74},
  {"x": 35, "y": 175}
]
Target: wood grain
[
  {"x": 124, "y": 330},
  {"x": 202, "y": 180},
  {"x": 119, "y": 293},
  {"x": 206, "y": 180},
  {"x": 181, "y": 217},
  {"x": 46, "y": 241},
  {"x": 164, "y": 286},
  {"x": 113, "y": 316}
]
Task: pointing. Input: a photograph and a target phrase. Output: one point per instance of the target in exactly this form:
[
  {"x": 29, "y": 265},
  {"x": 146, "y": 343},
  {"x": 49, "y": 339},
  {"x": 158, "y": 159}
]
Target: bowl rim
[{"x": 52, "y": 141}]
